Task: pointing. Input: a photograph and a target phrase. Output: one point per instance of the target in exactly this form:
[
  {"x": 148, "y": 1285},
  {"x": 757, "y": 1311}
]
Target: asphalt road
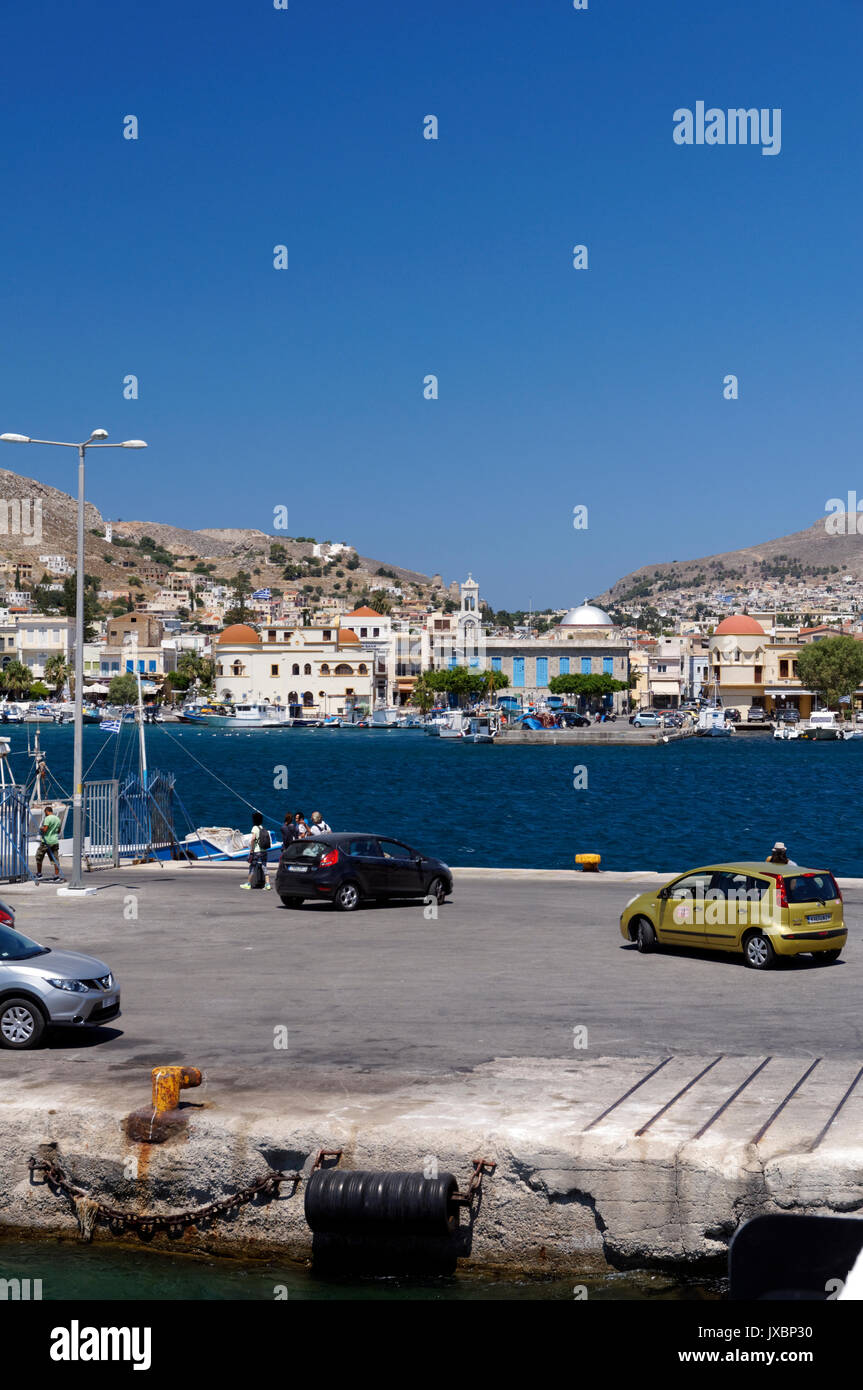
[{"x": 210, "y": 975}]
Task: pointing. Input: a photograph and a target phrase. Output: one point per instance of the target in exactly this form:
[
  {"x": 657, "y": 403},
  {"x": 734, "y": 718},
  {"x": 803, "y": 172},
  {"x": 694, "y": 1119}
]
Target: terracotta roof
[
  {"x": 740, "y": 625},
  {"x": 364, "y": 613},
  {"x": 238, "y": 633},
  {"x": 347, "y": 638}
]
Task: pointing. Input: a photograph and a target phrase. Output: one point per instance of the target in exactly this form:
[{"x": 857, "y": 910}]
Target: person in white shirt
[{"x": 319, "y": 825}]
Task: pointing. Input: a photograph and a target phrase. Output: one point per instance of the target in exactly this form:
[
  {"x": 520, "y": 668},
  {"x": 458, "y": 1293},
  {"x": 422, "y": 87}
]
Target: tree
[
  {"x": 199, "y": 670},
  {"x": 833, "y": 667},
  {"x": 123, "y": 690},
  {"x": 68, "y": 599},
  {"x": 57, "y": 671},
  {"x": 423, "y": 695},
  {"x": 466, "y": 685},
  {"x": 15, "y": 679},
  {"x": 586, "y": 685}
]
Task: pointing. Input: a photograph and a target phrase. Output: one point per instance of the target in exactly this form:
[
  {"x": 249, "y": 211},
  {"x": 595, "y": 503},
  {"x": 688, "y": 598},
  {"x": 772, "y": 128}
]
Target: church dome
[{"x": 586, "y": 615}]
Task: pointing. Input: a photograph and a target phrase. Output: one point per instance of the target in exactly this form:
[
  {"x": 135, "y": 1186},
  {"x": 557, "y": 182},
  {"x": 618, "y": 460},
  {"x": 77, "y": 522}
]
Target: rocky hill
[
  {"x": 269, "y": 559},
  {"x": 812, "y": 555}
]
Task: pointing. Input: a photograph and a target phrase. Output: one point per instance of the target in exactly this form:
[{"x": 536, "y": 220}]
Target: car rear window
[
  {"x": 811, "y": 888},
  {"x": 305, "y": 849}
]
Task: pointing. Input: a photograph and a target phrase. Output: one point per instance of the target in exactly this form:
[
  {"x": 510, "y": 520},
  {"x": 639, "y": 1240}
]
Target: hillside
[
  {"x": 224, "y": 551},
  {"x": 810, "y": 555}
]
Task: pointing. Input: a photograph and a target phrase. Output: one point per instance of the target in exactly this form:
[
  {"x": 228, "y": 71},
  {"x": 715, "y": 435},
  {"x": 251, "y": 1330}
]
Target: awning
[
  {"x": 788, "y": 691},
  {"x": 407, "y": 684}
]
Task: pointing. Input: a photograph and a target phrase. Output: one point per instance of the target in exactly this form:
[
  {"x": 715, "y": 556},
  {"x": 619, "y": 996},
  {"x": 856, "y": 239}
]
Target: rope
[{"x": 273, "y": 819}]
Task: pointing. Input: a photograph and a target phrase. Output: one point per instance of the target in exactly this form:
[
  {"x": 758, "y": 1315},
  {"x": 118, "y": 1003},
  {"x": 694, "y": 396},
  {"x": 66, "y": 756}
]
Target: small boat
[
  {"x": 480, "y": 729},
  {"x": 852, "y": 733},
  {"x": 713, "y": 724},
  {"x": 820, "y": 725},
  {"x": 219, "y": 843},
  {"x": 11, "y": 713},
  {"x": 786, "y": 731},
  {"x": 240, "y": 718}
]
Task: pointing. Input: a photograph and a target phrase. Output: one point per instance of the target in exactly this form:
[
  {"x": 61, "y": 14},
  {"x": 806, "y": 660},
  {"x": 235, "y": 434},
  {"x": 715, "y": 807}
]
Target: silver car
[{"x": 40, "y": 986}]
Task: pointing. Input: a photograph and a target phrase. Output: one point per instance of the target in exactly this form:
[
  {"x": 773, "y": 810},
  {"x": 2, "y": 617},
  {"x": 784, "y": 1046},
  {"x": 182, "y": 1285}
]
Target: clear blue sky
[{"x": 407, "y": 257}]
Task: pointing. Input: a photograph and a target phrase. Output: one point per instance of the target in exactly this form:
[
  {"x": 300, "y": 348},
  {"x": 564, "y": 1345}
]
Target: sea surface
[
  {"x": 71, "y": 1270},
  {"x": 662, "y": 807}
]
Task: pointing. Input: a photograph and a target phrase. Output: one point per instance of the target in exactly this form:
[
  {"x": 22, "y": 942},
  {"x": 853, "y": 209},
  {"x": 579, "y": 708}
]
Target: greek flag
[
  {"x": 111, "y": 726},
  {"x": 262, "y": 593}
]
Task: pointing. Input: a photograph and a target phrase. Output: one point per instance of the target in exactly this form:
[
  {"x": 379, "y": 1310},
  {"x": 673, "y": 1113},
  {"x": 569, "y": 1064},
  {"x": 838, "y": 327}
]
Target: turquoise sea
[{"x": 660, "y": 807}]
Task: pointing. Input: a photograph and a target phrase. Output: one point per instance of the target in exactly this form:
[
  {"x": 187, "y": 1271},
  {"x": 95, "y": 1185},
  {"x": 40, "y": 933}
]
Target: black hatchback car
[{"x": 347, "y": 867}]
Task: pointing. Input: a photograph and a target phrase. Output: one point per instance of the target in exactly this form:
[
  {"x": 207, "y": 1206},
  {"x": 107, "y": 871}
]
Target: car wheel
[
  {"x": 758, "y": 951},
  {"x": 291, "y": 902},
  {"x": 22, "y": 1023},
  {"x": 347, "y": 897},
  {"x": 825, "y": 957},
  {"x": 437, "y": 890},
  {"x": 645, "y": 936}
]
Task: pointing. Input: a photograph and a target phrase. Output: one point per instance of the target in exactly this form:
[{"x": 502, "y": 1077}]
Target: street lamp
[{"x": 94, "y": 442}]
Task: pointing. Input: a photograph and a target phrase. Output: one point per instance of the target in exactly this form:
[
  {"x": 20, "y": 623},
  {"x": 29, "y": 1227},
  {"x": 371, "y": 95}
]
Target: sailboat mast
[{"x": 142, "y": 742}]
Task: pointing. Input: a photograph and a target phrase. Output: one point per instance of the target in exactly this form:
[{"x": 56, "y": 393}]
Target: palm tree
[
  {"x": 15, "y": 679},
  {"x": 57, "y": 672}
]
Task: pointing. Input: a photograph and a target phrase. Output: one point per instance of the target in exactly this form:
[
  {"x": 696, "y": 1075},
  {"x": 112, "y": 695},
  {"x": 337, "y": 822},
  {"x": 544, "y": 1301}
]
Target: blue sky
[{"x": 304, "y": 387}]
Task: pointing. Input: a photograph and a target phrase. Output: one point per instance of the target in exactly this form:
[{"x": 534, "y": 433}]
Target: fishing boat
[
  {"x": 240, "y": 718},
  {"x": 220, "y": 844},
  {"x": 480, "y": 729},
  {"x": 786, "y": 731},
  {"x": 820, "y": 725},
  {"x": 713, "y": 724}
]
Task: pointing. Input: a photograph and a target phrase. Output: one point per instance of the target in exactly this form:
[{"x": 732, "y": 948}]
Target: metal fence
[
  {"x": 101, "y": 823},
  {"x": 14, "y": 823},
  {"x": 146, "y": 816}
]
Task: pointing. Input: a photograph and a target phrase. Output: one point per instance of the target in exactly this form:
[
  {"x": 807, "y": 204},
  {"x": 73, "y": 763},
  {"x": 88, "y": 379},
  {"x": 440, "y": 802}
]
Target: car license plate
[
  {"x": 299, "y": 868},
  {"x": 819, "y": 917}
]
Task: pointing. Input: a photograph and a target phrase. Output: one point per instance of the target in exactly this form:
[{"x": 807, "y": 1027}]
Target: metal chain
[{"x": 174, "y": 1222}]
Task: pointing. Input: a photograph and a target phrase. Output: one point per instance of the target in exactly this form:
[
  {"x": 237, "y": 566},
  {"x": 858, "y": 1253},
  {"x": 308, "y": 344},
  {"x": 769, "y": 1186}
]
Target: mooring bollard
[
  {"x": 168, "y": 1082},
  {"x": 589, "y": 862}
]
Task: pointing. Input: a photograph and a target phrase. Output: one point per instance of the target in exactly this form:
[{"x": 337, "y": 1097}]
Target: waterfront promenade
[{"x": 638, "y": 1107}]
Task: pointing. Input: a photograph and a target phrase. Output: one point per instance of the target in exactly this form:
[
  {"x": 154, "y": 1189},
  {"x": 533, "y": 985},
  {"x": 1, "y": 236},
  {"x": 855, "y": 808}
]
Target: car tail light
[
  {"x": 6, "y": 918},
  {"x": 329, "y": 859},
  {"x": 836, "y": 886},
  {"x": 781, "y": 895}
]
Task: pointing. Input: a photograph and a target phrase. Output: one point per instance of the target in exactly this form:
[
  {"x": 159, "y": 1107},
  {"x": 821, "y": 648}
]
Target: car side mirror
[{"x": 663, "y": 893}]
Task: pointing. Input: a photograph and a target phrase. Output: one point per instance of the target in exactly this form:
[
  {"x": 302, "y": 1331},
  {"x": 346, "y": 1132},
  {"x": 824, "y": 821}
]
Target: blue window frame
[
  {"x": 495, "y": 663},
  {"x": 130, "y": 666},
  {"x": 608, "y": 665},
  {"x": 542, "y": 670},
  {"x": 585, "y": 665},
  {"x": 152, "y": 665},
  {"x": 564, "y": 666},
  {"x": 518, "y": 671}
]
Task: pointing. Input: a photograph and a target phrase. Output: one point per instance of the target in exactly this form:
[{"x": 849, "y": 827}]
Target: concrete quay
[{"x": 639, "y": 1108}]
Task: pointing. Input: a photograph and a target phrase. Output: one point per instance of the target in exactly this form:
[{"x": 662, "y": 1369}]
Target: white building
[{"x": 324, "y": 670}]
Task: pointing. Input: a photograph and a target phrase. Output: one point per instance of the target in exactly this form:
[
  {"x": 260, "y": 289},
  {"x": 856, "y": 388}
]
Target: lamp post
[{"x": 94, "y": 442}]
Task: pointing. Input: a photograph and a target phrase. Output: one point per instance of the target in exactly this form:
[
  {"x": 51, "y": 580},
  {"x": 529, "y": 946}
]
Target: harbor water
[
  {"x": 659, "y": 807},
  {"x": 71, "y": 1270}
]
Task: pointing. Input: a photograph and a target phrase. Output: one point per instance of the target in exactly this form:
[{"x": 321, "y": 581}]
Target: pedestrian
[
  {"x": 289, "y": 829},
  {"x": 49, "y": 839},
  {"x": 779, "y": 855},
  {"x": 302, "y": 829},
  {"x": 319, "y": 825},
  {"x": 259, "y": 844}
]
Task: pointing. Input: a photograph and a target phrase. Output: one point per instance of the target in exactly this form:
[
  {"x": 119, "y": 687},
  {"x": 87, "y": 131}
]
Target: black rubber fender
[{"x": 345, "y": 1201}]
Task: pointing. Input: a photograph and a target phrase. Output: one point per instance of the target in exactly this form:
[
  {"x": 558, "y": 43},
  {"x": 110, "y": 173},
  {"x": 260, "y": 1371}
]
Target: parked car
[
  {"x": 41, "y": 987},
  {"x": 760, "y": 910},
  {"x": 574, "y": 721},
  {"x": 756, "y": 715},
  {"x": 791, "y": 716},
  {"x": 732, "y": 716},
  {"x": 646, "y": 719},
  {"x": 347, "y": 867}
]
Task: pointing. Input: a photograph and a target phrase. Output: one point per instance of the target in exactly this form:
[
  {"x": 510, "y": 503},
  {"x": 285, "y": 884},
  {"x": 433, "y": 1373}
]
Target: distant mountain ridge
[{"x": 808, "y": 554}]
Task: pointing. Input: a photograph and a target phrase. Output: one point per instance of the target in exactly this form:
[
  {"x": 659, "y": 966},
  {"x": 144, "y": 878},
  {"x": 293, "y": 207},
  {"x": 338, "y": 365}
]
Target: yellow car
[{"x": 762, "y": 910}]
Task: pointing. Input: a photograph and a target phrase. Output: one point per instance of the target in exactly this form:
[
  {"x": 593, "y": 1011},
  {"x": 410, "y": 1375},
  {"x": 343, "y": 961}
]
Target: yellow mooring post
[
  {"x": 589, "y": 862},
  {"x": 168, "y": 1082}
]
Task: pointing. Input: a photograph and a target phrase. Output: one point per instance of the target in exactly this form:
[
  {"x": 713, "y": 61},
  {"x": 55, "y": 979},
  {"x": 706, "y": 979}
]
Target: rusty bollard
[{"x": 156, "y": 1123}]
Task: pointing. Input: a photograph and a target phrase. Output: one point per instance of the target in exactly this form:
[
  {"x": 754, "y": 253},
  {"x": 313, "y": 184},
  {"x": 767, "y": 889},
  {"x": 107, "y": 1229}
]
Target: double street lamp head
[{"x": 95, "y": 441}]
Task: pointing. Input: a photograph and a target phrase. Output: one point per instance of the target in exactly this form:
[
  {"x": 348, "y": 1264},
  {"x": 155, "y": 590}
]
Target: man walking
[{"x": 49, "y": 839}]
